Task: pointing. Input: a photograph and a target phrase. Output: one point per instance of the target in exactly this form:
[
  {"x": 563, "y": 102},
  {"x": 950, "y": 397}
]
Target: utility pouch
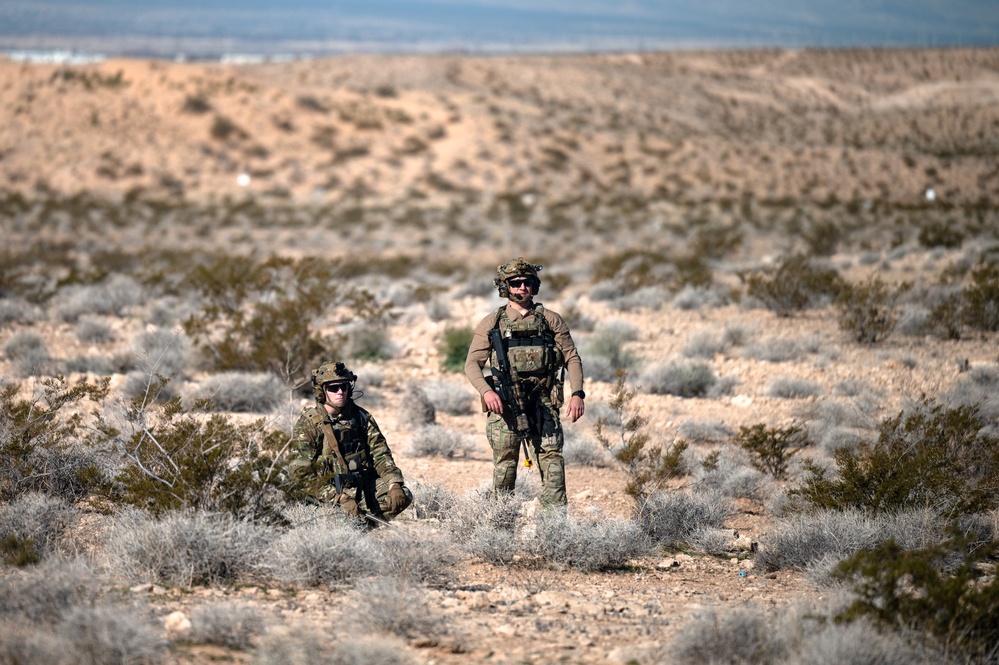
[{"x": 557, "y": 395}]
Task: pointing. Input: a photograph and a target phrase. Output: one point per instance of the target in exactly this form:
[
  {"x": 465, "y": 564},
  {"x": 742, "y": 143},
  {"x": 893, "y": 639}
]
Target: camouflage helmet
[
  {"x": 331, "y": 373},
  {"x": 519, "y": 267}
]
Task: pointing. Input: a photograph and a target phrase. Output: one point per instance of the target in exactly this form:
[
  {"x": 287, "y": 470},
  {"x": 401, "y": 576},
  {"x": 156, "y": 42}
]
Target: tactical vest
[
  {"x": 345, "y": 441},
  {"x": 530, "y": 347}
]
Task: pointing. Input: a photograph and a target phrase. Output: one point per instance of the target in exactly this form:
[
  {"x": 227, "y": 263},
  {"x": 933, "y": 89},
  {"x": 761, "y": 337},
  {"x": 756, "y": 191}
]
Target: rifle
[
  {"x": 510, "y": 391},
  {"x": 342, "y": 481}
]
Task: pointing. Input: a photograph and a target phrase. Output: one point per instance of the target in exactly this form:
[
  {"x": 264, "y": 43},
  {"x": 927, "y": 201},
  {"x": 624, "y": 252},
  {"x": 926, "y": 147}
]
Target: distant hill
[{"x": 317, "y": 27}]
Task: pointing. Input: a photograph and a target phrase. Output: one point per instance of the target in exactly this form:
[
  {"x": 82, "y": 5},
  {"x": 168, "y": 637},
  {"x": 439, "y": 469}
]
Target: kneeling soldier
[{"x": 343, "y": 457}]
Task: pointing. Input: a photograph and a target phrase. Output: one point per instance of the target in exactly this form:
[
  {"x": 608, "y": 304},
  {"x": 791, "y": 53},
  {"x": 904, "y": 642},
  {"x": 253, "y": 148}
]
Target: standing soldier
[
  {"x": 528, "y": 349},
  {"x": 343, "y": 457}
]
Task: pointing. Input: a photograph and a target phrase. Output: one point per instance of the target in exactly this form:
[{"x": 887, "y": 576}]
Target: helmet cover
[
  {"x": 331, "y": 373},
  {"x": 519, "y": 267}
]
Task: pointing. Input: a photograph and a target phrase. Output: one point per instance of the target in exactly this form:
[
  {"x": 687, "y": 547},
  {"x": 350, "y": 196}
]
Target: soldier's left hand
[
  {"x": 575, "y": 409},
  {"x": 396, "y": 499}
]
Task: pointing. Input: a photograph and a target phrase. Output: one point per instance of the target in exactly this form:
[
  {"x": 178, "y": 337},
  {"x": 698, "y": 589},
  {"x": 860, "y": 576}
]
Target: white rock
[{"x": 177, "y": 623}]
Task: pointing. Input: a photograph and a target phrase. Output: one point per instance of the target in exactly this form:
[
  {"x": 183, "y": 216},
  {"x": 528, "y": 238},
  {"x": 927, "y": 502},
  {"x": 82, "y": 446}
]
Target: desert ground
[{"x": 227, "y": 227}]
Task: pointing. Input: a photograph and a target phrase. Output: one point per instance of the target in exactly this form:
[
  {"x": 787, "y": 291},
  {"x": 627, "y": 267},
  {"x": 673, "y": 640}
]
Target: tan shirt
[{"x": 479, "y": 350}]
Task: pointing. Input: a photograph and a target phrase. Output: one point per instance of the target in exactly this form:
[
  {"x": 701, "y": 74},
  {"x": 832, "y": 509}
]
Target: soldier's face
[
  {"x": 336, "y": 393},
  {"x": 520, "y": 289}
]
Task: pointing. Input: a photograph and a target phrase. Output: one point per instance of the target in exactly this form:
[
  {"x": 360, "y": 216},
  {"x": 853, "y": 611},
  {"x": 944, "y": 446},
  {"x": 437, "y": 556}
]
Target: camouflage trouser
[
  {"x": 381, "y": 498},
  {"x": 544, "y": 444}
]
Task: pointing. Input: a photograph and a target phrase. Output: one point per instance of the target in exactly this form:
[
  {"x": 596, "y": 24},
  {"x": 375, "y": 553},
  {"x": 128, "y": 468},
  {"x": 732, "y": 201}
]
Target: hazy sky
[{"x": 498, "y": 25}]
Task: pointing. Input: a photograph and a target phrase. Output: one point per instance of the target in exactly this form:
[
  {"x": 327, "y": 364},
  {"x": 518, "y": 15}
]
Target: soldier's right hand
[
  {"x": 349, "y": 505},
  {"x": 493, "y": 402}
]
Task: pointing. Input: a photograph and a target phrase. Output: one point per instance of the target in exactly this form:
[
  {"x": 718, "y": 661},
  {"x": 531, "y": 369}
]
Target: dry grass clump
[
  {"x": 229, "y": 624},
  {"x": 683, "y": 378},
  {"x": 780, "y": 349},
  {"x": 185, "y": 548},
  {"x": 978, "y": 387},
  {"x": 751, "y": 635},
  {"x": 388, "y": 605},
  {"x": 92, "y": 330},
  {"x": 42, "y": 593},
  {"x": 819, "y": 539},
  {"x": 453, "y": 398},
  {"x": 671, "y": 518},
  {"x": 605, "y": 350},
  {"x": 590, "y": 543},
  {"x": 241, "y": 392},
  {"x": 581, "y": 450},
  {"x": 303, "y": 646},
  {"x": 113, "y": 297},
  {"x": 728, "y": 471},
  {"x": 789, "y": 387},
  {"x": 162, "y": 351},
  {"x": 28, "y": 352},
  {"x": 432, "y": 501},
  {"x": 417, "y": 556},
  {"x": 326, "y": 549},
  {"x": 32, "y": 526},
  {"x": 438, "y": 441},
  {"x": 704, "y": 431},
  {"x": 485, "y": 527}
]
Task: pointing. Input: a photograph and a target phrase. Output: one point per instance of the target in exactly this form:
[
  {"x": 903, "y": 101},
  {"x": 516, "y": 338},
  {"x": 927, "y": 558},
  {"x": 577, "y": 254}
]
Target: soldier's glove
[
  {"x": 396, "y": 499},
  {"x": 349, "y": 505}
]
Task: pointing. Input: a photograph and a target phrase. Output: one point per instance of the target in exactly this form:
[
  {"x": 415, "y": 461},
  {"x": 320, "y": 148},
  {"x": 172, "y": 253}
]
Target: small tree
[
  {"x": 931, "y": 457},
  {"x": 649, "y": 465},
  {"x": 868, "y": 310},
  {"x": 42, "y": 451},
  {"x": 794, "y": 285},
  {"x": 981, "y": 298},
  {"x": 941, "y": 592},
  {"x": 772, "y": 447},
  {"x": 186, "y": 459}
]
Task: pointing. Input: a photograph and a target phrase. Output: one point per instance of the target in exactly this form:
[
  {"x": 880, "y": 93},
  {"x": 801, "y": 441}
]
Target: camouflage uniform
[
  {"x": 542, "y": 391},
  {"x": 349, "y": 442}
]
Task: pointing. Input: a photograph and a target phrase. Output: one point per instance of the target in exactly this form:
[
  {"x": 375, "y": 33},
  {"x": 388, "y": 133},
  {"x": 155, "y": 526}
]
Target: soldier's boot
[{"x": 505, "y": 455}]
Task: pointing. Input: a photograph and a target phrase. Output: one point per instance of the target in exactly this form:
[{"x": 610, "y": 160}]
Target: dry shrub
[
  {"x": 228, "y": 624},
  {"x": 185, "y": 548},
  {"x": 752, "y": 636},
  {"x": 388, "y": 605},
  {"x": 648, "y": 464},
  {"x": 242, "y": 392},
  {"x": 456, "y": 399},
  {"x": 32, "y": 526},
  {"x": 682, "y": 378},
  {"x": 327, "y": 549},
  {"x": 304, "y": 646},
  {"x": 44, "y": 450},
  {"x": 438, "y": 441},
  {"x": 930, "y": 456},
  {"x": 670, "y": 519},
  {"x": 793, "y": 285},
  {"x": 869, "y": 310},
  {"x": 28, "y": 353},
  {"x": 587, "y": 543}
]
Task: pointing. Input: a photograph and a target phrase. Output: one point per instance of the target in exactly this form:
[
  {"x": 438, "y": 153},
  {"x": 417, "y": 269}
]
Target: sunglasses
[
  {"x": 517, "y": 283},
  {"x": 336, "y": 387}
]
